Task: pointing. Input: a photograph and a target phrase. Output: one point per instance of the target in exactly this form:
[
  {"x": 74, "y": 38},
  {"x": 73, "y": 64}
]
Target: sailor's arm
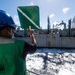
[
  {"x": 30, "y": 48},
  {"x": 33, "y": 40}
]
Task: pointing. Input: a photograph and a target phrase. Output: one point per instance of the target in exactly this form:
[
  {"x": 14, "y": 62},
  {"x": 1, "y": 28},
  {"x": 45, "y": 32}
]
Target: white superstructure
[{"x": 56, "y": 38}]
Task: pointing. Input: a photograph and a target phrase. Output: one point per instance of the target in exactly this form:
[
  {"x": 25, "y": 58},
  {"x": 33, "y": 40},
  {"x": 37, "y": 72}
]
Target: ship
[{"x": 50, "y": 38}]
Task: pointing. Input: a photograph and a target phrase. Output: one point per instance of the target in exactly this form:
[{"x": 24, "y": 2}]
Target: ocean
[{"x": 46, "y": 61}]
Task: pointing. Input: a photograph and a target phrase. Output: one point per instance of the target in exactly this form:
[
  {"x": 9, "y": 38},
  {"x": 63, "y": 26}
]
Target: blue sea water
[
  {"x": 49, "y": 61},
  {"x": 54, "y": 50}
]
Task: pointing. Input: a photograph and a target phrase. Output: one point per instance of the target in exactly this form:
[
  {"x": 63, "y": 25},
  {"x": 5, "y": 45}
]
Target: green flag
[{"x": 29, "y": 16}]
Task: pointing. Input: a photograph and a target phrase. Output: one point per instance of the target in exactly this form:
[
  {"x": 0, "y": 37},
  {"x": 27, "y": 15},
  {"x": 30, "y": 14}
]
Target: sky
[{"x": 57, "y": 10}]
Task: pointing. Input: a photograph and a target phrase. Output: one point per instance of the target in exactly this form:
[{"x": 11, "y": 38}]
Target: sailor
[{"x": 13, "y": 51}]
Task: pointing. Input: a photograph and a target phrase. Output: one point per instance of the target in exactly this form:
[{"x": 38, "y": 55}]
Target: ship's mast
[
  {"x": 69, "y": 27},
  {"x": 48, "y": 20}
]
